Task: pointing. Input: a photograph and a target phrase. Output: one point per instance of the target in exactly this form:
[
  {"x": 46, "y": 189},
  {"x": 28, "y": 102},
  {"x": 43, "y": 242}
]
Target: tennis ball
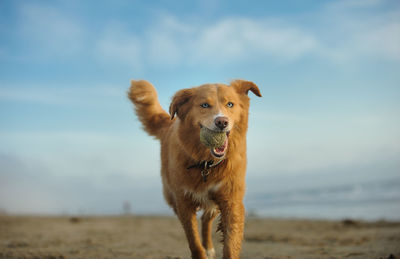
[{"x": 211, "y": 138}]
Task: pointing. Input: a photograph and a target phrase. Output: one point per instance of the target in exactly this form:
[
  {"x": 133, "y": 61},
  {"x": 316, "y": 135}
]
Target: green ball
[{"x": 211, "y": 138}]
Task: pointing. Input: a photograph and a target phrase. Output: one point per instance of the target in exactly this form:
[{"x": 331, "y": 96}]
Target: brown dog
[{"x": 193, "y": 175}]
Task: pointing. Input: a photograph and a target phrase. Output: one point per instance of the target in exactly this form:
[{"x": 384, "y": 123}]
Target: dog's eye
[
  {"x": 205, "y": 105},
  {"x": 230, "y": 104}
]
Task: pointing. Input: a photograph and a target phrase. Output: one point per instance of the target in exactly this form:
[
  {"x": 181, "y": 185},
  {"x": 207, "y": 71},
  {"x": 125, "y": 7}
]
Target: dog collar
[{"x": 205, "y": 167}]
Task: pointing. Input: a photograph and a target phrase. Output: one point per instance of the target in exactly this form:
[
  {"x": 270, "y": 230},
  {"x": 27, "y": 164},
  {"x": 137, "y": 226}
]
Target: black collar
[{"x": 205, "y": 167}]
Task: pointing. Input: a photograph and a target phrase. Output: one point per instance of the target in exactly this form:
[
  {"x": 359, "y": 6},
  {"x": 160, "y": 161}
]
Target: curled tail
[{"x": 144, "y": 96}]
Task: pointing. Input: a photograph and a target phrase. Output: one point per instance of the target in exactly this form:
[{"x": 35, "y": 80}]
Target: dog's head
[{"x": 218, "y": 107}]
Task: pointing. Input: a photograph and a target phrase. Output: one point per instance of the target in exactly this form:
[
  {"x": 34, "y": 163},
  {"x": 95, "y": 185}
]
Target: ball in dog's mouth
[
  {"x": 217, "y": 141},
  {"x": 219, "y": 152}
]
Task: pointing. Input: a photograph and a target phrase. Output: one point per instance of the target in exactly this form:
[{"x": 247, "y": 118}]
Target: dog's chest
[{"x": 203, "y": 198}]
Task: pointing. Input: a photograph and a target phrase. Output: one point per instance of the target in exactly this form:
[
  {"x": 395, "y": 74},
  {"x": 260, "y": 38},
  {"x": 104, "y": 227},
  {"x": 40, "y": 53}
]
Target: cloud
[
  {"x": 345, "y": 31},
  {"x": 341, "y": 4},
  {"x": 170, "y": 41},
  {"x": 236, "y": 39},
  {"x": 342, "y": 34},
  {"x": 117, "y": 45},
  {"x": 358, "y": 30},
  {"x": 380, "y": 41},
  {"x": 48, "y": 32}
]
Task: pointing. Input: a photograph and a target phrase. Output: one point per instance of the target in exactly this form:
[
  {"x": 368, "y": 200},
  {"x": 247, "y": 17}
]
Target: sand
[{"x": 163, "y": 237}]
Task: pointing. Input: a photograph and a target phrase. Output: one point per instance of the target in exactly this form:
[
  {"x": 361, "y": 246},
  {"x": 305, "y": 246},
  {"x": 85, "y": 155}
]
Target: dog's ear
[
  {"x": 243, "y": 87},
  {"x": 178, "y": 102}
]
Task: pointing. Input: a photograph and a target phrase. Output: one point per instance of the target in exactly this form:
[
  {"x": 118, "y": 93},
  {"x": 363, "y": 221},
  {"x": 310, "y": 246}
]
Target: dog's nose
[{"x": 221, "y": 122}]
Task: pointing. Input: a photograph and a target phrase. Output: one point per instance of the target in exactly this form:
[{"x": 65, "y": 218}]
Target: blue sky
[{"x": 328, "y": 72}]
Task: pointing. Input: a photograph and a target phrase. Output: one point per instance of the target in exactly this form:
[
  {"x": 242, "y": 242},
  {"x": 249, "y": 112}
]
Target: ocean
[{"x": 373, "y": 200}]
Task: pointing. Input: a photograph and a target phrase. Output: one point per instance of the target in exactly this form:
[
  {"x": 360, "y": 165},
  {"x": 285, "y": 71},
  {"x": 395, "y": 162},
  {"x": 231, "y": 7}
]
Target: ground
[{"x": 163, "y": 237}]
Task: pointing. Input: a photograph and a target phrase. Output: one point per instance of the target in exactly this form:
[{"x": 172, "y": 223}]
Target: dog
[{"x": 195, "y": 176}]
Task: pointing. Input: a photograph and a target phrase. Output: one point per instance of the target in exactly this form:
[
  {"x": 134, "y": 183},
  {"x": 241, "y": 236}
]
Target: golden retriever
[{"x": 195, "y": 176}]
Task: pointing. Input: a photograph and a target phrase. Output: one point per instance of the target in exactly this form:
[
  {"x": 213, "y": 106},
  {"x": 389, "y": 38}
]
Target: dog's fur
[{"x": 184, "y": 189}]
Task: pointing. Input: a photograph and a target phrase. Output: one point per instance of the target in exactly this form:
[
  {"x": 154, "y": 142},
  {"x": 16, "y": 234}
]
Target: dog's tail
[{"x": 144, "y": 96}]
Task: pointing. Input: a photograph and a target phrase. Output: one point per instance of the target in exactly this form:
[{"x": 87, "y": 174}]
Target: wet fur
[{"x": 178, "y": 132}]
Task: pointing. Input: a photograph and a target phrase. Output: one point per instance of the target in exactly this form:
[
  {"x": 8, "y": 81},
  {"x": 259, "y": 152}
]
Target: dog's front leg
[
  {"x": 206, "y": 229},
  {"x": 186, "y": 212},
  {"x": 232, "y": 220}
]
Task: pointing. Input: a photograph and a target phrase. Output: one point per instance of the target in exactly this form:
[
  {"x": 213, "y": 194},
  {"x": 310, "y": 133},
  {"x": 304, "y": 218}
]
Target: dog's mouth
[{"x": 220, "y": 152}]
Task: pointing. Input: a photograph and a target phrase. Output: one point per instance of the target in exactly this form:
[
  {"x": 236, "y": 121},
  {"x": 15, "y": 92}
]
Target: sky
[{"x": 329, "y": 72}]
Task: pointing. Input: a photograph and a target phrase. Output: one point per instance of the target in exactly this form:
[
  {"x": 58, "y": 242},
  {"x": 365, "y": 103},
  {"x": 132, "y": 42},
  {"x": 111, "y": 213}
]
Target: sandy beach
[{"x": 162, "y": 237}]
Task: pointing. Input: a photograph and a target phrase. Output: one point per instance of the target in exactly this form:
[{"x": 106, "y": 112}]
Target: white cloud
[
  {"x": 170, "y": 41},
  {"x": 240, "y": 38},
  {"x": 340, "y": 31},
  {"x": 356, "y": 30},
  {"x": 116, "y": 44},
  {"x": 354, "y": 3},
  {"x": 341, "y": 34},
  {"x": 382, "y": 41},
  {"x": 49, "y": 32}
]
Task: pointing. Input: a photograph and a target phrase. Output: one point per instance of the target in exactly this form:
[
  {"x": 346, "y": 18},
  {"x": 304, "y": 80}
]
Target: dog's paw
[{"x": 210, "y": 253}]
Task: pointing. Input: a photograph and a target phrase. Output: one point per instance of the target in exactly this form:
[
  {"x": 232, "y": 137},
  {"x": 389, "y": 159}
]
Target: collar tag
[{"x": 205, "y": 167}]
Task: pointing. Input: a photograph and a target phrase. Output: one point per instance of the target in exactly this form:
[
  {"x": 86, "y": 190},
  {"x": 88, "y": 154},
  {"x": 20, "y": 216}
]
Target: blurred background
[{"x": 323, "y": 142}]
